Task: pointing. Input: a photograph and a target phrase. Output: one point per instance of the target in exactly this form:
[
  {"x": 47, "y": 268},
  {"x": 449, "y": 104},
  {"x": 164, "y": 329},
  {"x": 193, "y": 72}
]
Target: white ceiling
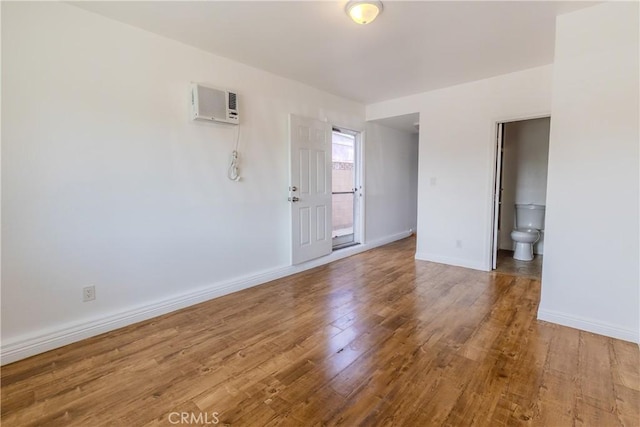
[{"x": 412, "y": 46}]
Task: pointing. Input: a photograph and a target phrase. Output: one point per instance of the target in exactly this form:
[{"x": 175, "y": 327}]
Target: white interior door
[
  {"x": 497, "y": 196},
  {"x": 310, "y": 188}
]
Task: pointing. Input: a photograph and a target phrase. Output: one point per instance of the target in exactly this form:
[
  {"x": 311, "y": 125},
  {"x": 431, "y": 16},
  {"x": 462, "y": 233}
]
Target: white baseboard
[
  {"x": 458, "y": 262},
  {"x": 32, "y": 344},
  {"x": 26, "y": 346},
  {"x": 589, "y": 325}
]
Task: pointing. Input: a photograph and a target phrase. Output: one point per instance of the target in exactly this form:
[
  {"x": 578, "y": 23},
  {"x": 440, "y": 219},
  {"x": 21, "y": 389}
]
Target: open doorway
[
  {"x": 346, "y": 191},
  {"x": 392, "y": 150},
  {"x": 522, "y": 153}
]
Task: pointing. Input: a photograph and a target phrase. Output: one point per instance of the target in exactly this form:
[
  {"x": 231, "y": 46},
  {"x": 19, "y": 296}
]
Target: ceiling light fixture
[{"x": 363, "y": 12}]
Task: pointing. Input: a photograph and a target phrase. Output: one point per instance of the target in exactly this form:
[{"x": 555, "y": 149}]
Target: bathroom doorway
[{"x": 522, "y": 152}]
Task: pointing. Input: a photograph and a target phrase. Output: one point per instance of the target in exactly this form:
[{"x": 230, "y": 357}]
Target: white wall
[
  {"x": 524, "y": 172},
  {"x": 591, "y": 268},
  {"x": 457, "y": 157},
  {"x": 106, "y": 181},
  {"x": 391, "y": 177}
]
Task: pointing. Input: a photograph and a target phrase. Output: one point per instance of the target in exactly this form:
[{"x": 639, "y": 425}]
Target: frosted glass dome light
[{"x": 363, "y": 12}]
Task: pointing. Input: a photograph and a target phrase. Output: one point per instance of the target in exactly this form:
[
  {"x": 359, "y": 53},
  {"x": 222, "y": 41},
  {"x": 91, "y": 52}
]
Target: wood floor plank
[{"x": 376, "y": 339}]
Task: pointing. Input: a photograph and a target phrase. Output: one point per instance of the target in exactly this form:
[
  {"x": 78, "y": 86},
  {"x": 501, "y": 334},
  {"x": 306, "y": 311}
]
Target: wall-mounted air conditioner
[{"x": 213, "y": 104}]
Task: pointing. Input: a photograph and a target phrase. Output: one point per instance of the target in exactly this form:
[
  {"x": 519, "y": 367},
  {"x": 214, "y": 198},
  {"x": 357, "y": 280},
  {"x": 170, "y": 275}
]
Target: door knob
[{"x": 293, "y": 199}]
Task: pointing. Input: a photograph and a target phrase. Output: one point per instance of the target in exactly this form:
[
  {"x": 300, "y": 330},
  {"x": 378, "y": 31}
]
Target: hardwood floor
[{"x": 375, "y": 339}]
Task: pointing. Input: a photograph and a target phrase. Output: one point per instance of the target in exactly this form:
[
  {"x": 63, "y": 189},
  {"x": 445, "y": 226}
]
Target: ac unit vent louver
[{"x": 232, "y": 101}]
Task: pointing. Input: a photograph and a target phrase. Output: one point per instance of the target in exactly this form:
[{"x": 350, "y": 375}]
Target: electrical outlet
[
  {"x": 88, "y": 293},
  {"x": 458, "y": 243}
]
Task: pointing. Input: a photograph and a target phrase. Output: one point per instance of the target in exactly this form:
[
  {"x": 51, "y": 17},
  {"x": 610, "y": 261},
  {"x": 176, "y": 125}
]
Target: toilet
[{"x": 529, "y": 224}]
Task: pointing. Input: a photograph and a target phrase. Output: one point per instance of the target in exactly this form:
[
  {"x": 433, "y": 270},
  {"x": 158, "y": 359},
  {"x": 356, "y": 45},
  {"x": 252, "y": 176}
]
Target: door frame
[
  {"x": 359, "y": 195},
  {"x": 497, "y": 163},
  {"x": 497, "y": 194}
]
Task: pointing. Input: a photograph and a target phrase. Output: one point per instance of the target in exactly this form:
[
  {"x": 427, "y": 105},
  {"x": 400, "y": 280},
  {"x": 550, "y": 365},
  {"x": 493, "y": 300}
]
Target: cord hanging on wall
[{"x": 233, "y": 173}]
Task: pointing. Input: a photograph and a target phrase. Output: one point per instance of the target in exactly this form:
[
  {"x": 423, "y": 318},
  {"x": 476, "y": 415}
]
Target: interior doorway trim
[{"x": 498, "y": 124}]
